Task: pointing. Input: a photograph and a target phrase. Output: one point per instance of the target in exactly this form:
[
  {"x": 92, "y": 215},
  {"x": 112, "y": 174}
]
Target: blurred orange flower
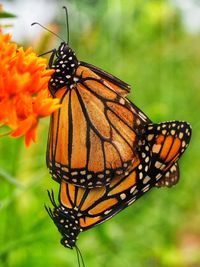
[{"x": 24, "y": 96}]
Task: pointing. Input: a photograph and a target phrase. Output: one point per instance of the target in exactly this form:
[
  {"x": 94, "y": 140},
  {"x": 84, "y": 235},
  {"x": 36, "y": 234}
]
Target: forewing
[{"x": 115, "y": 83}]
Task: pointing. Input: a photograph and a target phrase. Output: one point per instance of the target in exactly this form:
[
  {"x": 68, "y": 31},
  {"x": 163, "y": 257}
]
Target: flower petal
[{"x": 24, "y": 95}]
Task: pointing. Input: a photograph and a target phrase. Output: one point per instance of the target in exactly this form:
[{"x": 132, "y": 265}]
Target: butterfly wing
[
  {"x": 115, "y": 83},
  {"x": 167, "y": 142},
  {"x": 170, "y": 178},
  {"x": 95, "y": 134}
]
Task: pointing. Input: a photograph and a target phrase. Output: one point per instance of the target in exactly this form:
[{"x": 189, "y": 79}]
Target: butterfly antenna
[
  {"x": 79, "y": 252},
  {"x": 67, "y": 22},
  {"x": 37, "y": 23}
]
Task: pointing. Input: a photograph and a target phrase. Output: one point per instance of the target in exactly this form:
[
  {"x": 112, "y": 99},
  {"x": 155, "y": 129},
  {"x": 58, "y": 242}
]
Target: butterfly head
[{"x": 65, "y": 65}]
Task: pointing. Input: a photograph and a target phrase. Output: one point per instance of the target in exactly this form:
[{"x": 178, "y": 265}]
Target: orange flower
[{"x": 24, "y": 96}]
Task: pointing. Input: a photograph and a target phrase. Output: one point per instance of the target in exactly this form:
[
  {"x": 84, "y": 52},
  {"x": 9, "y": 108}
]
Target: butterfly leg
[{"x": 51, "y": 57}]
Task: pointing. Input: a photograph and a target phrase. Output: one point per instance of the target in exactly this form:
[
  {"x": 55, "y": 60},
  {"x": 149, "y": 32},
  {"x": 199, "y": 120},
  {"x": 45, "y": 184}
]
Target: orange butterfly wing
[
  {"x": 115, "y": 83},
  {"x": 94, "y": 135}
]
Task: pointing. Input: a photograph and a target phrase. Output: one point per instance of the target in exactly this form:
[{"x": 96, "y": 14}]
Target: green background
[{"x": 146, "y": 44}]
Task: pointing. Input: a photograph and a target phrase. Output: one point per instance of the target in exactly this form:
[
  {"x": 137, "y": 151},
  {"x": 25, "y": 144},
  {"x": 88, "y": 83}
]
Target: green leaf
[{"x": 4, "y": 15}]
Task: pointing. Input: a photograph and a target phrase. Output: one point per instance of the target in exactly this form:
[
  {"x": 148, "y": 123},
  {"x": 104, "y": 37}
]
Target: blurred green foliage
[
  {"x": 145, "y": 44},
  {"x": 6, "y": 15}
]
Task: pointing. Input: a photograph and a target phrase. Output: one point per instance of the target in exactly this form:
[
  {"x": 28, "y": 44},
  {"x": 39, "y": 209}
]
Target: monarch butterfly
[
  {"x": 95, "y": 135},
  {"x": 82, "y": 208},
  {"x": 70, "y": 146}
]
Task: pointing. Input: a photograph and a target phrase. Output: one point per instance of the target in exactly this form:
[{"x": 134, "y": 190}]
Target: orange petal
[
  {"x": 24, "y": 126},
  {"x": 30, "y": 136}
]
